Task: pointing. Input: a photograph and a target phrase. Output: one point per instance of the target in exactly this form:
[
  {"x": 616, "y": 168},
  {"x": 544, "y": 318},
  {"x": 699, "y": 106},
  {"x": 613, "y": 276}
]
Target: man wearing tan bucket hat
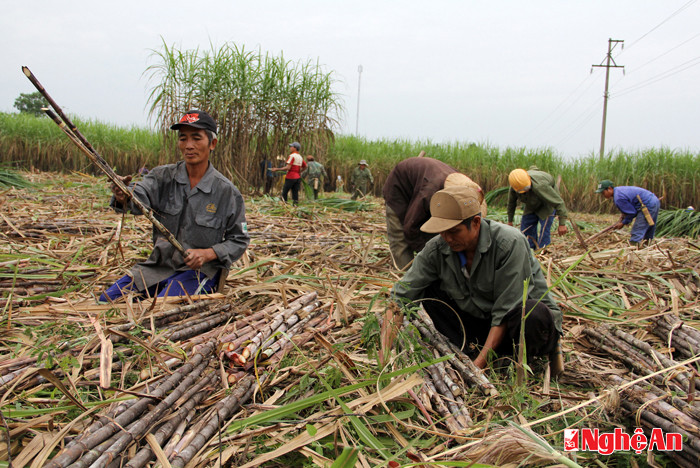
[
  {"x": 470, "y": 281},
  {"x": 407, "y": 192}
]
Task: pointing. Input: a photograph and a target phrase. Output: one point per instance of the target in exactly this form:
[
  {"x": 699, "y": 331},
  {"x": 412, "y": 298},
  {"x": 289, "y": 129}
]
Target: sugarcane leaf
[
  {"x": 311, "y": 429},
  {"x": 347, "y": 459}
]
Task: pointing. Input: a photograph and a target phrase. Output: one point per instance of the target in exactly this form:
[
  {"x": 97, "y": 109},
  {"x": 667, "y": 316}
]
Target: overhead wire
[
  {"x": 534, "y": 131},
  {"x": 661, "y": 76},
  {"x": 675, "y": 13}
]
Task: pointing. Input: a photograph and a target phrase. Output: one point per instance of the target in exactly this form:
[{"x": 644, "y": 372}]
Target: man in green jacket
[
  {"x": 361, "y": 180},
  {"x": 541, "y": 202},
  {"x": 314, "y": 174},
  {"x": 471, "y": 277}
]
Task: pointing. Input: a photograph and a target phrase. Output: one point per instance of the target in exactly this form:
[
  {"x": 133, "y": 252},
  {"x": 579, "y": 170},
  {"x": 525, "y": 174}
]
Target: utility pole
[
  {"x": 357, "y": 118},
  {"x": 612, "y": 43}
]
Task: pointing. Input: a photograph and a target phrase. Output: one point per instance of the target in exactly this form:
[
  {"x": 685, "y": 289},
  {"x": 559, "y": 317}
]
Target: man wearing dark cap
[
  {"x": 294, "y": 166},
  {"x": 470, "y": 281},
  {"x": 636, "y": 204},
  {"x": 199, "y": 206}
]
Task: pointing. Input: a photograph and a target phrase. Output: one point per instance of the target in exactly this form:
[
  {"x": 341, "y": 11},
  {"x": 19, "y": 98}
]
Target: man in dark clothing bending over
[{"x": 407, "y": 192}]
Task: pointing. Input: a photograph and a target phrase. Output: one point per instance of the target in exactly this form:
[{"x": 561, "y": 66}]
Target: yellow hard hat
[{"x": 519, "y": 180}]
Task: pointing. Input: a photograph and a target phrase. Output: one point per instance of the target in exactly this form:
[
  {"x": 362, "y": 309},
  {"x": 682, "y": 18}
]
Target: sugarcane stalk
[
  {"x": 200, "y": 327},
  {"x": 452, "y": 425},
  {"x": 228, "y": 406},
  {"x": 692, "y": 443},
  {"x": 112, "y": 176},
  {"x": 143, "y": 424},
  {"x": 273, "y": 328},
  {"x": 299, "y": 339},
  {"x": 686, "y": 458},
  {"x": 139, "y": 428},
  {"x": 284, "y": 339},
  {"x": 601, "y": 233},
  {"x": 163, "y": 318},
  {"x": 449, "y": 398},
  {"x": 623, "y": 352}
]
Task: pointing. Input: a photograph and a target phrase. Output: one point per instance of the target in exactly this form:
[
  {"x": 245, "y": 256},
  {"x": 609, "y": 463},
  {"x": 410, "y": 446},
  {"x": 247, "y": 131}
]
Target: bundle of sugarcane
[
  {"x": 641, "y": 357},
  {"x": 652, "y": 408},
  {"x": 683, "y": 338},
  {"x": 270, "y": 337},
  {"x": 444, "y": 383},
  {"x": 28, "y": 227},
  {"x": 166, "y": 419}
]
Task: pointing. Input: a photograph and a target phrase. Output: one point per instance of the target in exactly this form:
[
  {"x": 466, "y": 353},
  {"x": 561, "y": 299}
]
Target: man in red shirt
[{"x": 295, "y": 164}]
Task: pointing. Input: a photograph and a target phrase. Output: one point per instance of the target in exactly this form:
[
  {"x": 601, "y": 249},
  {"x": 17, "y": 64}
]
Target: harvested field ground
[{"x": 281, "y": 368}]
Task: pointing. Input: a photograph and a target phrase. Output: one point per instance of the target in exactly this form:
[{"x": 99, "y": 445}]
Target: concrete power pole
[
  {"x": 611, "y": 45},
  {"x": 357, "y": 118}
]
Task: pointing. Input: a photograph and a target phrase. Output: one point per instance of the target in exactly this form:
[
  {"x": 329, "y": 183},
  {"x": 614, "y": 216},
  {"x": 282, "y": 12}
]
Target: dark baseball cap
[
  {"x": 196, "y": 119},
  {"x": 604, "y": 185},
  {"x": 295, "y": 145}
]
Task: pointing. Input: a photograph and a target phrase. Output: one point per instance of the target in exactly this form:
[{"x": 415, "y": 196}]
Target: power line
[
  {"x": 584, "y": 117},
  {"x": 532, "y": 132},
  {"x": 684, "y": 7},
  {"x": 662, "y": 76}
]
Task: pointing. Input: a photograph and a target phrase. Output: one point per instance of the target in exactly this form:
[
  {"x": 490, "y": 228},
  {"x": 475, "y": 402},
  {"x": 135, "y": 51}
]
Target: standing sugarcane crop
[
  {"x": 541, "y": 203},
  {"x": 470, "y": 280},
  {"x": 636, "y": 204},
  {"x": 199, "y": 204}
]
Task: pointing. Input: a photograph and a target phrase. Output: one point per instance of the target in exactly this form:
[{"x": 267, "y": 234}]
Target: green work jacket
[
  {"x": 542, "y": 198},
  {"x": 502, "y": 262}
]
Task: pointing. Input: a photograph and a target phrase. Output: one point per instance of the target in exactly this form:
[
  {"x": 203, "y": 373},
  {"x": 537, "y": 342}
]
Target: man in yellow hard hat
[
  {"x": 470, "y": 281},
  {"x": 541, "y": 203}
]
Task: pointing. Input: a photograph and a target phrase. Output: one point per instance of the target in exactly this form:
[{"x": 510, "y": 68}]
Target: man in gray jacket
[
  {"x": 195, "y": 202},
  {"x": 470, "y": 281}
]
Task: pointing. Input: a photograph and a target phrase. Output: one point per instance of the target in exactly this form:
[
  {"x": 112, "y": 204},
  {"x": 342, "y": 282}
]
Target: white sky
[{"x": 503, "y": 73}]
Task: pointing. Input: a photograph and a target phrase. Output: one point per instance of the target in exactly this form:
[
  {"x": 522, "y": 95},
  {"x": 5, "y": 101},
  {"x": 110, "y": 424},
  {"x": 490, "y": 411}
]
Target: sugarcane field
[{"x": 291, "y": 363}]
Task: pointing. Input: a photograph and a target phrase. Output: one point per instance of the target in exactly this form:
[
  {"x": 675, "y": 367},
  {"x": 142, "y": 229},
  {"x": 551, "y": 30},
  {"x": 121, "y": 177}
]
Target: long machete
[{"x": 84, "y": 145}]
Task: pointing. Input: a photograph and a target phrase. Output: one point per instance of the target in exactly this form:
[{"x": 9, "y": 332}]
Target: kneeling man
[{"x": 471, "y": 278}]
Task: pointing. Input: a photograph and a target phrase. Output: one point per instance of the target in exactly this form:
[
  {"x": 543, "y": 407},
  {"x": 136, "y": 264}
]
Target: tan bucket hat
[{"x": 451, "y": 206}]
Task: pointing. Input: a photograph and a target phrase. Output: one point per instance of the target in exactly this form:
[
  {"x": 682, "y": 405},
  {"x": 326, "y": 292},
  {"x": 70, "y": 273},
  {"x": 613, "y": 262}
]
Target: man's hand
[
  {"x": 119, "y": 194},
  {"x": 197, "y": 257},
  {"x": 617, "y": 225},
  {"x": 562, "y": 230}
]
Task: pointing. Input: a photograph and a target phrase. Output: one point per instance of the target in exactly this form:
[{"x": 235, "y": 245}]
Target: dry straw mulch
[{"x": 282, "y": 366}]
